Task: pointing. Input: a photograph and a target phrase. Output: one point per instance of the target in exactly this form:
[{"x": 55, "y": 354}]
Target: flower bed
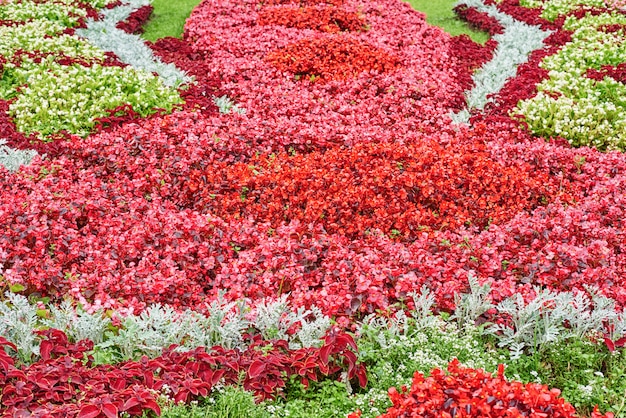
[{"x": 315, "y": 159}]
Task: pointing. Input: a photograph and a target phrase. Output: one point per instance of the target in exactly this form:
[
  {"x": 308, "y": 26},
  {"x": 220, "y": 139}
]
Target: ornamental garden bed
[{"x": 310, "y": 208}]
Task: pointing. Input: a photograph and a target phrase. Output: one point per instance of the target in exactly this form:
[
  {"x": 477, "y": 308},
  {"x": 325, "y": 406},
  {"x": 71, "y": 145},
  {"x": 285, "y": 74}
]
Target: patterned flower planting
[{"x": 338, "y": 156}]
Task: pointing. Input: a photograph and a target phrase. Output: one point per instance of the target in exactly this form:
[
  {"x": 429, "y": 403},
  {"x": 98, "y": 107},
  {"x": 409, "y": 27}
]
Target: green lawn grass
[
  {"x": 440, "y": 13},
  {"x": 169, "y": 17}
]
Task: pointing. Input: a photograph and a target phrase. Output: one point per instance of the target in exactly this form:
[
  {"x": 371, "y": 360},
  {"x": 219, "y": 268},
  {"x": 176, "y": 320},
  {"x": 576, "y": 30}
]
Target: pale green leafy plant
[
  {"x": 50, "y": 97},
  {"x": 159, "y": 326},
  {"x": 585, "y": 111},
  {"x": 470, "y": 306},
  {"x": 70, "y": 98},
  {"x": 68, "y": 15},
  {"x": 274, "y": 319},
  {"x": 76, "y": 323},
  {"x": 18, "y": 320},
  {"x": 552, "y": 317},
  {"x": 555, "y": 8},
  {"x": 13, "y": 159},
  {"x": 226, "y": 105},
  {"x": 32, "y": 36}
]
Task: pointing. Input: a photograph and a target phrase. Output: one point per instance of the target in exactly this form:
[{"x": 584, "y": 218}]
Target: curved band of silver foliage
[
  {"x": 130, "y": 49},
  {"x": 515, "y": 44}
]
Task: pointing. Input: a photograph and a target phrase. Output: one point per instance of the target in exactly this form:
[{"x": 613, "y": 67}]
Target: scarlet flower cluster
[
  {"x": 335, "y": 57},
  {"x": 465, "y": 392},
  {"x": 406, "y": 188}
]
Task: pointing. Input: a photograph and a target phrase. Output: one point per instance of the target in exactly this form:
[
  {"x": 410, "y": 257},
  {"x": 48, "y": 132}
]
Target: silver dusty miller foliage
[
  {"x": 514, "y": 45},
  {"x": 159, "y": 326},
  {"x": 13, "y": 159}
]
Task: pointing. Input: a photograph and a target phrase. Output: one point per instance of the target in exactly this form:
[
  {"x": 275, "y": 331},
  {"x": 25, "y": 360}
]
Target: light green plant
[
  {"x": 585, "y": 111},
  {"x": 158, "y": 327},
  {"x": 44, "y": 36},
  {"x": 231, "y": 402},
  {"x": 18, "y": 320},
  {"x": 226, "y": 105},
  {"x": 25, "y": 10},
  {"x": 72, "y": 97},
  {"x": 555, "y": 8},
  {"x": 553, "y": 317},
  {"x": 76, "y": 323},
  {"x": 470, "y": 306},
  {"x": 13, "y": 159}
]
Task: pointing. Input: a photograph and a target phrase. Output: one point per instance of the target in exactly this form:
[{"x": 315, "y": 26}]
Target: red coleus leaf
[
  {"x": 89, "y": 411},
  {"x": 45, "y": 348},
  {"x": 325, "y": 352},
  {"x": 4, "y": 342},
  {"x": 256, "y": 368},
  {"x": 620, "y": 342},
  {"x": 152, "y": 405},
  {"x": 361, "y": 374},
  {"x": 609, "y": 344},
  {"x": 131, "y": 403},
  {"x": 109, "y": 410}
]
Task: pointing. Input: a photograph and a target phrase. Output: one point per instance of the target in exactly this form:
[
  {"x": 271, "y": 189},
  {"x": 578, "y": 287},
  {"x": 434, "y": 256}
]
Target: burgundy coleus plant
[
  {"x": 479, "y": 20},
  {"x": 64, "y": 382},
  {"x": 135, "y": 21},
  {"x": 607, "y": 338},
  {"x": 616, "y": 72}
]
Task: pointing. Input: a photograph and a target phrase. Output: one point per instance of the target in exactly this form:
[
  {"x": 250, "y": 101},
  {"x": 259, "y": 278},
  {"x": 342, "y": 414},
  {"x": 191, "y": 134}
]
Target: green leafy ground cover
[
  {"x": 440, "y": 13},
  {"x": 168, "y": 18}
]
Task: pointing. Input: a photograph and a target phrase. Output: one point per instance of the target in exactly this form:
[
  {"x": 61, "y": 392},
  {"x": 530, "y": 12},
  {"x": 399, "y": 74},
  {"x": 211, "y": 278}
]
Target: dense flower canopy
[{"x": 316, "y": 157}]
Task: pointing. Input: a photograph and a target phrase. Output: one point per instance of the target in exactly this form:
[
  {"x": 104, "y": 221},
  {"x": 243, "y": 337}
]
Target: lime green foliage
[
  {"x": 168, "y": 18},
  {"x": 31, "y": 36},
  {"x": 553, "y": 8},
  {"x": 67, "y": 15},
  {"x": 71, "y": 97},
  {"x": 584, "y": 111},
  {"x": 440, "y": 13},
  {"x": 229, "y": 403},
  {"x": 586, "y": 373},
  {"x": 48, "y": 97}
]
